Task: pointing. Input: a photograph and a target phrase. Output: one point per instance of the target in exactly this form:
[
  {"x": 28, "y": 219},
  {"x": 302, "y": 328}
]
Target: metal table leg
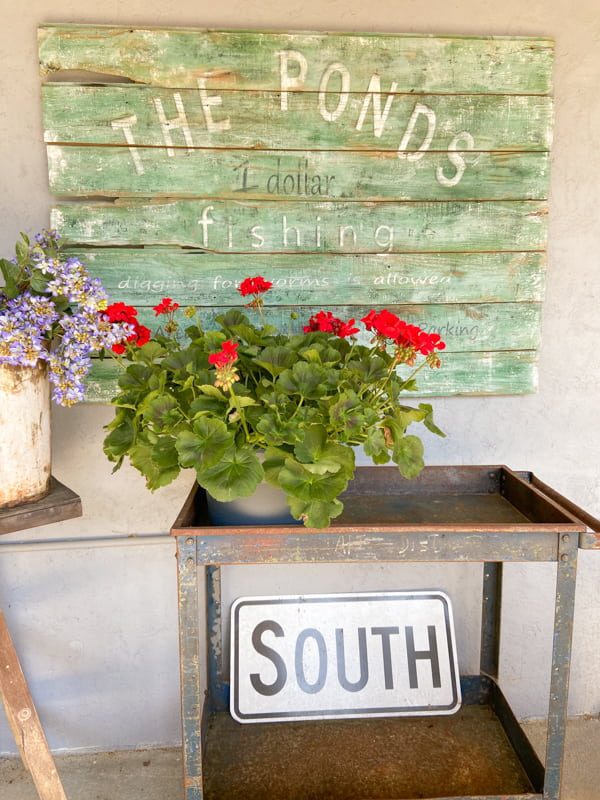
[
  {"x": 561, "y": 662},
  {"x": 189, "y": 649}
]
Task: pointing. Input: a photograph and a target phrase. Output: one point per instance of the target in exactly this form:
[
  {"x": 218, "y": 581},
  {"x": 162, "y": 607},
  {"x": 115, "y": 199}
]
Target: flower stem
[{"x": 240, "y": 413}]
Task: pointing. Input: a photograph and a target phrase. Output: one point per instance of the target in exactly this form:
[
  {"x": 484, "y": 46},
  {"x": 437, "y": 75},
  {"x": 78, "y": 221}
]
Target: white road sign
[{"x": 343, "y": 655}]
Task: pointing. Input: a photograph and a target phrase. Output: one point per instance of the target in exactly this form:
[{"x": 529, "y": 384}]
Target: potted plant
[
  {"x": 243, "y": 403},
  {"x": 51, "y": 320}
]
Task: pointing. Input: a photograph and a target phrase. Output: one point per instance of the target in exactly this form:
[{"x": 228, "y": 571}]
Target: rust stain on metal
[{"x": 465, "y": 755}]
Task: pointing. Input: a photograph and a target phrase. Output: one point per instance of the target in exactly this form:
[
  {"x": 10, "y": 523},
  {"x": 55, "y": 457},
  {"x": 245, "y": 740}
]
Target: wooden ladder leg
[{"x": 24, "y": 721}]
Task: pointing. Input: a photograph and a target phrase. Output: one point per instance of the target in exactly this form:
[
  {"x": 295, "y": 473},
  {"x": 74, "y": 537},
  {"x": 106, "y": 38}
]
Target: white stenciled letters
[
  {"x": 344, "y": 92},
  {"x": 418, "y": 110},
  {"x": 167, "y": 125},
  {"x": 204, "y": 222},
  {"x": 456, "y": 159},
  {"x": 208, "y": 103},
  {"x": 384, "y": 237},
  {"x": 288, "y": 81},
  {"x": 125, "y": 124},
  {"x": 373, "y": 95}
]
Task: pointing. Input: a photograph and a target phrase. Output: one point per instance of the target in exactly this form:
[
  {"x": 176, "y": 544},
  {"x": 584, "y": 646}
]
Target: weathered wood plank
[
  {"x": 471, "y": 373},
  {"x": 353, "y": 170},
  {"x": 274, "y": 227},
  {"x": 250, "y": 59},
  {"x": 233, "y": 174},
  {"x": 144, "y": 276},
  {"x": 24, "y": 721},
  {"x": 476, "y": 326},
  {"x": 148, "y": 116}
]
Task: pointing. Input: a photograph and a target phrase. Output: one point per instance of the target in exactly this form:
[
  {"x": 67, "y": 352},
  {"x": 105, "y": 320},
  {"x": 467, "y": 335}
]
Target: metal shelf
[{"x": 449, "y": 514}]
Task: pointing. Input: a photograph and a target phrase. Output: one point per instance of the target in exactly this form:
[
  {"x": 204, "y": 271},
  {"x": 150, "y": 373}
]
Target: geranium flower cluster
[
  {"x": 254, "y": 286},
  {"x": 325, "y": 321},
  {"x": 119, "y": 314},
  {"x": 52, "y": 311},
  {"x": 408, "y": 339},
  {"x": 223, "y": 362}
]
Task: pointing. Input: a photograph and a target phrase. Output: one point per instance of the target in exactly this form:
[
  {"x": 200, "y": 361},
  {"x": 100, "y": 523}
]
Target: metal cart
[{"x": 449, "y": 514}]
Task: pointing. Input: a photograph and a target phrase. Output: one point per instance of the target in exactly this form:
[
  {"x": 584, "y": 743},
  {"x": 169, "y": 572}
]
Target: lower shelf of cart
[{"x": 479, "y": 752}]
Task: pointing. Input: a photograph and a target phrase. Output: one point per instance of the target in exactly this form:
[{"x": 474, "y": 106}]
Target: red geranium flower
[
  {"x": 410, "y": 338},
  {"x": 227, "y": 354},
  {"x": 166, "y": 306},
  {"x": 141, "y": 335},
  {"x": 119, "y": 312},
  {"x": 325, "y": 321},
  {"x": 256, "y": 285}
]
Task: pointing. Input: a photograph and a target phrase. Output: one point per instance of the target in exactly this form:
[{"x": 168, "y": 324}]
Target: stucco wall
[{"x": 95, "y": 621}]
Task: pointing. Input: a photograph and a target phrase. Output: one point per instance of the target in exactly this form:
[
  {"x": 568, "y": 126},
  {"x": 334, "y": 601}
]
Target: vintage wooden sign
[{"x": 352, "y": 170}]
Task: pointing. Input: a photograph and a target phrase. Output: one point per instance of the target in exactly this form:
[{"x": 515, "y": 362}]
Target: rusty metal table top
[{"x": 447, "y": 513}]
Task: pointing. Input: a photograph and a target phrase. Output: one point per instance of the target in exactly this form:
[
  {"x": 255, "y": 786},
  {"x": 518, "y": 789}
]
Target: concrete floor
[{"x": 157, "y": 774}]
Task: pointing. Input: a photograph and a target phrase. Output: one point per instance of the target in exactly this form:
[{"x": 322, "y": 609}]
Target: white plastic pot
[{"x": 24, "y": 434}]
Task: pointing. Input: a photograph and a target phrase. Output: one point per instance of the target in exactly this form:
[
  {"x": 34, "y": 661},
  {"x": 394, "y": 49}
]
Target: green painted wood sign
[{"x": 355, "y": 171}]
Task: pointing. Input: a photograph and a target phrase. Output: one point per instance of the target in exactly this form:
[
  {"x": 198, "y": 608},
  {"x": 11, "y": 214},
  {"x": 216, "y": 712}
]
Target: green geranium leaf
[
  {"x": 349, "y": 415},
  {"x": 136, "y": 375},
  {"x": 408, "y": 455},
  {"x": 300, "y": 482},
  {"x": 428, "y": 420},
  {"x": 165, "y": 453},
  {"x": 213, "y": 340},
  {"x": 410, "y": 386},
  {"x": 163, "y": 411},
  {"x": 315, "y": 514},
  {"x": 206, "y": 405},
  {"x": 177, "y": 361},
  {"x": 241, "y": 401},
  {"x": 273, "y": 462},
  {"x": 237, "y": 474},
  {"x": 149, "y": 352},
  {"x": 233, "y": 317},
  {"x": 276, "y": 430},
  {"x": 375, "y": 446},
  {"x": 305, "y": 379},
  {"x": 320, "y": 456},
  {"x": 404, "y": 416},
  {"x": 142, "y": 458},
  {"x": 246, "y": 333},
  {"x": 119, "y": 440},
  {"x": 275, "y": 359},
  {"x": 370, "y": 368},
  {"x": 213, "y": 391},
  {"x": 205, "y": 444},
  {"x": 320, "y": 354}
]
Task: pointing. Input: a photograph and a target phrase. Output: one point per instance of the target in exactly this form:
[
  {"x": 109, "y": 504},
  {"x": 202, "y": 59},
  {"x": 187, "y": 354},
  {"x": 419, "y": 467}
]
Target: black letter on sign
[
  {"x": 431, "y": 655},
  {"x": 311, "y": 688},
  {"x": 268, "y": 652},
  {"x": 385, "y": 634},
  {"x": 341, "y": 660}
]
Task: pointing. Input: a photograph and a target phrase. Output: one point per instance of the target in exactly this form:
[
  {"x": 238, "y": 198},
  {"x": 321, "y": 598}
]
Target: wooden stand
[{"x": 60, "y": 504}]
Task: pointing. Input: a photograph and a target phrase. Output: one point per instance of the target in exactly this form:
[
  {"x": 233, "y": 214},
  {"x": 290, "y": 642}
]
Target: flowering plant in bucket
[
  {"x": 52, "y": 311},
  {"x": 243, "y": 403}
]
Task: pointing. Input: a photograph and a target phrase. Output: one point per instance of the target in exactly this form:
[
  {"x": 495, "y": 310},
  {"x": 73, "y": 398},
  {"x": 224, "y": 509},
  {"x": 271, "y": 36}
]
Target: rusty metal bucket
[{"x": 24, "y": 434}]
